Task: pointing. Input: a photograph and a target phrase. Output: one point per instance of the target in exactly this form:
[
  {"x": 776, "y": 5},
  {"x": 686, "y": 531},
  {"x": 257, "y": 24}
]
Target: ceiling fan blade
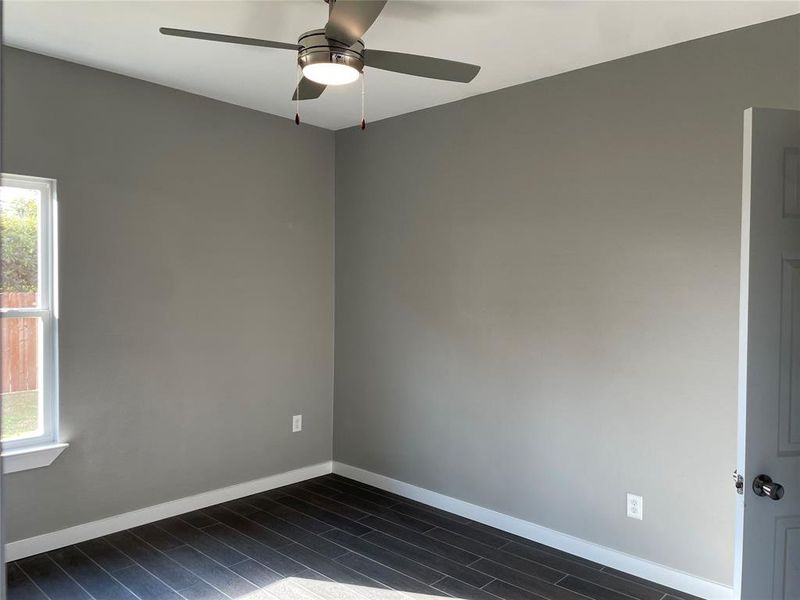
[
  {"x": 308, "y": 90},
  {"x": 230, "y": 39},
  {"x": 350, "y": 19},
  {"x": 421, "y": 66}
]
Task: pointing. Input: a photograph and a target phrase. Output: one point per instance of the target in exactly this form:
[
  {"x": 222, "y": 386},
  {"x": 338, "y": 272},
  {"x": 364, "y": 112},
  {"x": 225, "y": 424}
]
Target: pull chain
[
  {"x": 363, "y": 117},
  {"x": 297, "y": 97}
]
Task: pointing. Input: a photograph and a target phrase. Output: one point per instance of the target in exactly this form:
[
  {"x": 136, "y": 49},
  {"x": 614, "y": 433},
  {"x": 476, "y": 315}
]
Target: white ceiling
[{"x": 514, "y": 41}]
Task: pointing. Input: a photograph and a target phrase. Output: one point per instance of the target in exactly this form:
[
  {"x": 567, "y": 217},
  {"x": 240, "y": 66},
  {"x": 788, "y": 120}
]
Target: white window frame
[{"x": 41, "y": 450}]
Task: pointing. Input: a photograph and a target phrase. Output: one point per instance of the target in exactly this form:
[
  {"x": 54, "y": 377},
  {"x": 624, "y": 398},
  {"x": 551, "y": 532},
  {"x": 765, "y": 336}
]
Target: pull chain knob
[
  {"x": 297, "y": 94},
  {"x": 363, "y": 95}
]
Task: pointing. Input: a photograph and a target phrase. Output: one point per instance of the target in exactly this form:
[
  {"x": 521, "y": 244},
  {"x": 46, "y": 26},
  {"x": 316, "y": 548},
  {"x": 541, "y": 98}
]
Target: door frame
[{"x": 744, "y": 288}]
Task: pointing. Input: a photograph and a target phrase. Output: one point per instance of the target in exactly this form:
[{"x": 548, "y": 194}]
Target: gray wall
[
  {"x": 537, "y": 288},
  {"x": 196, "y": 289}
]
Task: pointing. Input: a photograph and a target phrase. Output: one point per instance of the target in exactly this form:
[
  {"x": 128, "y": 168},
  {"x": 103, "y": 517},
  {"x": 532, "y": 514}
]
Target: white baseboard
[
  {"x": 613, "y": 558},
  {"x": 88, "y": 531},
  {"x": 640, "y": 567}
]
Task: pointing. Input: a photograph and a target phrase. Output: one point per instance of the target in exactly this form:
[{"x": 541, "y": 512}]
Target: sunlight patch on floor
[{"x": 307, "y": 588}]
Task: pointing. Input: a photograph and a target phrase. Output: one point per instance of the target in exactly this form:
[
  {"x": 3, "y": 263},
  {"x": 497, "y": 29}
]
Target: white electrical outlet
[
  {"x": 635, "y": 506},
  {"x": 297, "y": 423}
]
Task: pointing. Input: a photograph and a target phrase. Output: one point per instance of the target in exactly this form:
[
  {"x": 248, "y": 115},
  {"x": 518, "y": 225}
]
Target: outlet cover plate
[
  {"x": 297, "y": 423},
  {"x": 635, "y": 506}
]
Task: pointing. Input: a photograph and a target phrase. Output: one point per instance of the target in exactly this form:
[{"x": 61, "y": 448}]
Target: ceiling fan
[{"x": 336, "y": 55}]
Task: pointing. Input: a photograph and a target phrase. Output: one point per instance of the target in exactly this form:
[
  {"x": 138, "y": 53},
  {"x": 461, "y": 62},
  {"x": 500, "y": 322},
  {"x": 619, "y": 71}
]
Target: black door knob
[{"x": 764, "y": 486}]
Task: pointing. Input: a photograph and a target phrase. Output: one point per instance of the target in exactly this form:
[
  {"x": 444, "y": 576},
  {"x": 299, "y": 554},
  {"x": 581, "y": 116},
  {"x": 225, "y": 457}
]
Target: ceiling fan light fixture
[
  {"x": 328, "y": 62},
  {"x": 330, "y": 73}
]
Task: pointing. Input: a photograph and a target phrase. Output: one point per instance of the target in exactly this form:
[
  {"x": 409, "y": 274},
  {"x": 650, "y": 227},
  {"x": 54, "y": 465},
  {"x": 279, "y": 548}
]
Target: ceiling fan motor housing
[{"x": 315, "y": 48}]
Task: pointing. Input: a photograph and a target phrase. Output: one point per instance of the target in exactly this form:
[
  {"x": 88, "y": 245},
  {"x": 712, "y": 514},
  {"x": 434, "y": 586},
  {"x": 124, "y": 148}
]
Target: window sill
[{"x": 32, "y": 457}]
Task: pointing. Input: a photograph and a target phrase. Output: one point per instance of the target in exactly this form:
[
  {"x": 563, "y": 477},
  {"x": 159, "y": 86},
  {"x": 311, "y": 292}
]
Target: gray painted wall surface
[
  {"x": 537, "y": 289},
  {"x": 196, "y": 289}
]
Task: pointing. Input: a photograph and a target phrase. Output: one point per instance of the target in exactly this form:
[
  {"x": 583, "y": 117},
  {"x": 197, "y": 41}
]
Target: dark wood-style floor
[{"x": 328, "y": 538}]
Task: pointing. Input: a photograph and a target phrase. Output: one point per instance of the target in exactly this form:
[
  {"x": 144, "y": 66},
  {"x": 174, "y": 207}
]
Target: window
[{"x": 28, "y": 318}]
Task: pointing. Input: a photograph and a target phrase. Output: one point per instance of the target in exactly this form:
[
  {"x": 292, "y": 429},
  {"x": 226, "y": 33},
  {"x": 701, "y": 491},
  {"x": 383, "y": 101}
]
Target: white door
[{"x": 768, "y": 528}]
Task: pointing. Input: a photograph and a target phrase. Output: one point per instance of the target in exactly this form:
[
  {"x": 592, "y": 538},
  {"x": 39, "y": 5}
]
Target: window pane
[
  {"x": 20, "y": 392},
  {"x": 19, "y": 247}
]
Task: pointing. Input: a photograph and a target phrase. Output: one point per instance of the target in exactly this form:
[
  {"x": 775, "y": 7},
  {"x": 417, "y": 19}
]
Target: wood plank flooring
[{"x": 328, "y": 538}]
